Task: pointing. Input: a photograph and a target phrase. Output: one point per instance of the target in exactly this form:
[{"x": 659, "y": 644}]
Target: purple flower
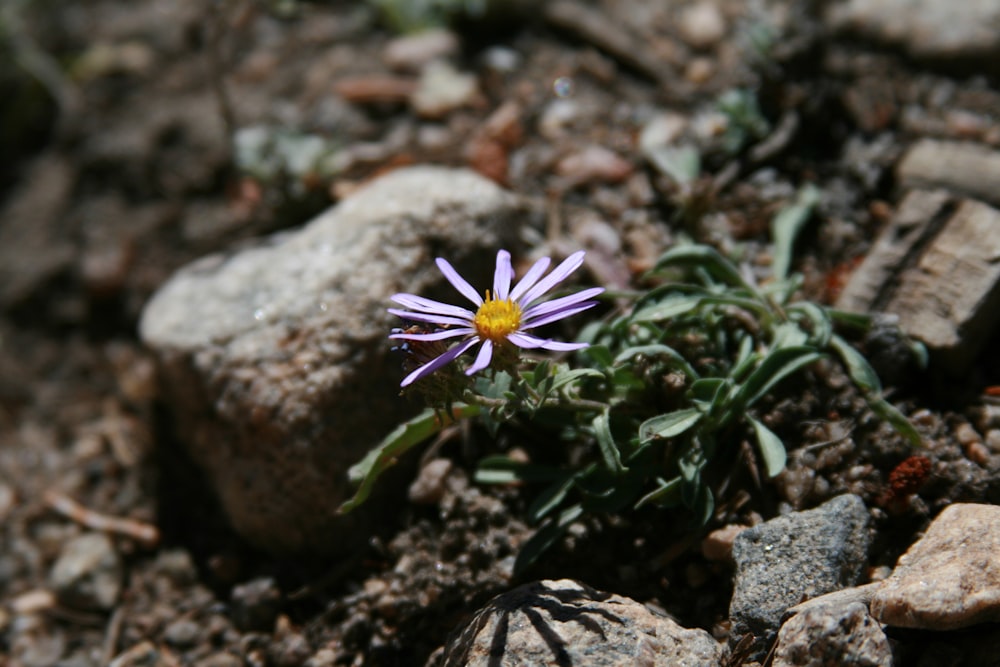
[{"x": 504, "y": 316}]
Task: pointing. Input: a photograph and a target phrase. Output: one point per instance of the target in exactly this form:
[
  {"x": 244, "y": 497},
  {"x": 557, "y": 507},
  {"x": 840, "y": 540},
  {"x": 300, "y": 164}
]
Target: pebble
[
  {"x": 832, "y": 635},
  {"x": 255, "y": 605},
  {"x": 182, "y": 633},
  {"x": 594, "y": 164},
  {"x": 413, "y": 52},
  {"x": 931, "y": 29},
  {"x": 568, "y": 623},
  {"x": 88, "y": 573},
  {"x": 718, "y": 545},
  {"x": 442, "y": 89},
  {"x": 950, "y": 578},
  {"x": 429, "y": 486},
  {"x": 794, "y": 557},
  {"x": 702, "y": 25}
]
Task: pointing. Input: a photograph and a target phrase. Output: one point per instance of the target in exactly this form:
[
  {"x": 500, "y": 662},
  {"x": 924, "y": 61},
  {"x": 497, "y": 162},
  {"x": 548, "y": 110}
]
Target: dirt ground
[{"x": 125, "y": 131}]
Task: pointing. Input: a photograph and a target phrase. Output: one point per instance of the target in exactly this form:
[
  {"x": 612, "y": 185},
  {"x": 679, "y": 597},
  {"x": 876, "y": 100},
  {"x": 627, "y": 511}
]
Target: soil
[{"x": 118, "y": 129}]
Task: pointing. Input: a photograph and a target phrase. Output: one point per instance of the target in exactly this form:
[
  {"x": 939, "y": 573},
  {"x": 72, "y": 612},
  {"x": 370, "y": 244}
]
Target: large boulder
[{"x": 275, "y": 360}]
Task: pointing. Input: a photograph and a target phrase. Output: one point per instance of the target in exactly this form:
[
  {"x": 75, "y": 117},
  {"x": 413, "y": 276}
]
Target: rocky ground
[{"x": 192, "y": 342}]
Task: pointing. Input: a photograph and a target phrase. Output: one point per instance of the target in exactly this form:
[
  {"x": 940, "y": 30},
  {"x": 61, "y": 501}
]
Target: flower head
[{"x": 502, "y": 317}]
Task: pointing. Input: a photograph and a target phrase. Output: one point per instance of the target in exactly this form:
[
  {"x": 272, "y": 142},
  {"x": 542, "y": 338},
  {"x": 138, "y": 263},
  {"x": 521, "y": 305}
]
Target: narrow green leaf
[
  {"x": 772, "y": 450},
  {"x": 564, "y": 378},
  {"x": 658, "y": 350},
  {"x": 600, "y": 354},
  {"x": 776, "y": 366},
  {"x": 403, "y": 438},
  {"x": 669, "y": 425},
  {"x": 668, "y": 309},
  {"x": 550, "y": 498},
  {"x": 787, "y": 224},
  {"x": 820, "y": 326},
  {"x": 502, "y": 469},
  {"x": 897, "y": 419},
  {"x": 680, "y": 163},
  {"x": 858, "y": 368},
  {"x": 606, "y": 443},
  {"x": 666, "y": 494},
  {"x": 705, "y": 257}
]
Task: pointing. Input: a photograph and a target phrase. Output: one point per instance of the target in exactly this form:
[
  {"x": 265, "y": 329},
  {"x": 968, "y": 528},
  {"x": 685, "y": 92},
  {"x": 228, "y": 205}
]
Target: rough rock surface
[
  {"x": 567, "y": 623},
  {"x": 796, "y": 556},
  {"x": 926, "y": 28},
  {"x": 275, "y": 358},
  {"x": 950, "y": 578},
  {"x": 831, "y": 635}
]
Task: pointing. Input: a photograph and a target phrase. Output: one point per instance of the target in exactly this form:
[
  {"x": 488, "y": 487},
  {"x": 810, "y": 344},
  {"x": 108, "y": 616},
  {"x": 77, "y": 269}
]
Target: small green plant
[
  {"x": 415, "y": 15},
  {"x": 657, "y": 399}
]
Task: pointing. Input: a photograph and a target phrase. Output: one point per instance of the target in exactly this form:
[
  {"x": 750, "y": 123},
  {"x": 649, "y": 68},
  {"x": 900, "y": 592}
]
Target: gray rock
[
  {"x": 950, "y": 578},
  {"x": 934, "y": 29},
  {"x": 831, "y": 635},
  {"x": 88, "y": 573},
  {"x": 794, "y": 557},
  {"x": 182, "y": 633},
  {"x": 256, "y": 605},
  {"x": 567, "y": 623},
  {"x": 275, "y": 359}
]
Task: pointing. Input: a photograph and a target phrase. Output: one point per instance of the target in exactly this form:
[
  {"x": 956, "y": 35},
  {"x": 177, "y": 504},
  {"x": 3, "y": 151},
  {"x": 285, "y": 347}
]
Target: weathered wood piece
[
  {"x": 937, "y": 267},
  {"x": 964, "y": 168}
]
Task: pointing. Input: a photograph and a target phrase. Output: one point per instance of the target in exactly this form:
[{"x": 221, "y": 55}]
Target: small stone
[
  {"x": 567, "y": 623},
  {"x": 794, "y": 557},
  {"x": 966, "y": 435},
  {"x": 702, "y": 25},
  {"x": 950, "y": 578},
  {"x": 963, "y": 167},
  {"x": 256, "y": 605},
  {"x": 7, "y": 500},
  {"x": 718, "y": 545},
  {"x": 930, "y": 29},
  {"x": 143, "y": 654},
  {"x": 182, "y": 633},
  {"x": 177, "y": 566},
  {"x": 594, "y": 164},
  {"x": 413, "y": 52},
  {"x": 88, "y": 573},
  {"x": 429, "y": 486},
  {"x": 442, "y": 89},
  {"x": 220, "y": 660},
  {"x": 830, "y": 636}
]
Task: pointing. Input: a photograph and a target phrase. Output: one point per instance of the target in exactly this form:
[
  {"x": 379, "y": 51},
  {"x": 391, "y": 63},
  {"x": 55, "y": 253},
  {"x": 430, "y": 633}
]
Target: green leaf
[
  {"x": 680, "y": 163},
  {"x": 821, "y": 327},
  {"x": 550, "y": 498},
  {"x": 707, "y": 258},
  {"x": 669, "y": 425},
  {"x": 658, "y": 350},
  {"x": 667, "y": 309},
  {"x": 502, "y": 469},
  {"x": 776, "y": 366},
  {"x": 666, "y": 494},
  {"x": 606, "y": 443},
  {"x": 403, "y": 438},
  {"x": 858, "y": 368},
  {"x": 564, "y": 378},
  {"x": 600, "y": 354},
  {"x": 897, "y": 419},
  {"x": 545, "y": 537},
  {"x": 787, "y": 224},
  {"x": 772, "y": 450}
]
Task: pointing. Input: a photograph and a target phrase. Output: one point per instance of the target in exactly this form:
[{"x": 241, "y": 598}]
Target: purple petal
[
  {"x": 568, "y": 266},
  {"x": 568, "y": 311},
  {"x": 561, "y": 303},
  {"x": 502, "y": 276},
  {"x": 530, "y": 278},
  {"x": 436, "y": 335},
  {"x": 438, "y": 362},
  {"x": 414, "y": 302},
  {"x": 530, "y": 342},
  {"x": 458, "y": 282},
  {"x": 482, "y": 359},
  {"x": 433, "y": 318}
]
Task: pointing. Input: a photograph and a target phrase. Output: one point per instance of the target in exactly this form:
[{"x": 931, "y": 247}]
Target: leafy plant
[{"x": 659, "y": 398}]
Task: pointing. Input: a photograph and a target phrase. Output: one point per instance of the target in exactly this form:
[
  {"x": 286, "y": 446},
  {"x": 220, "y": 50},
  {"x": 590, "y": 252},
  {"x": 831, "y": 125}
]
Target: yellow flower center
[{"x": 496, "y": 319}]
